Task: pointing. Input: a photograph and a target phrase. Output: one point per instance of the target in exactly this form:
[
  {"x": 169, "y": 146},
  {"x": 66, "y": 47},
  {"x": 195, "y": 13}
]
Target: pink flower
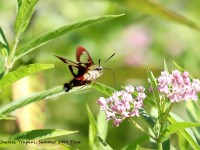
[
  {"x": 163, "y": 81},
  {"x": 135, "y": 112},
  {"x": 101, "y": 101},
  {"x": 187, "y": 81},
  {"x": 110, "y": 115},
  {"x": 185, "y": 74},
  {"x": 129, "y": 88},
  {"x": 177, "y": 87},
  {"x": 122, "y": 104},
  {"x": 116, "y": 122},
  {"x": 140, "y": 89}
]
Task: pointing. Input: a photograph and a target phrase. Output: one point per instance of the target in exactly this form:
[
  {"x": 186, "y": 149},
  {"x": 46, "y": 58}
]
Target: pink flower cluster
[
  {"x": 178, "y": 86},
  {"x": 122, "y": 105}
]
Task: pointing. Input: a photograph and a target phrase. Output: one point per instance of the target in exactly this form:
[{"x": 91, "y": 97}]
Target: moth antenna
[
  {"x": 109, "y": 58},
  {"x": 113, "y": 74}
]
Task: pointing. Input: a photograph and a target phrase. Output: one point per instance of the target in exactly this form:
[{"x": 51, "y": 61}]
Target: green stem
[
  {"x": 164, "y": 120},
  {"x": 10, "y": 61},
  {"x": 167, "y": 112},
  {"x": 159, "y": 145}
]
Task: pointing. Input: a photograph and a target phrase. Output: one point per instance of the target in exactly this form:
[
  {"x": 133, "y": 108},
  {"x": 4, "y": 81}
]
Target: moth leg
[
  {"x": 84, "y": 85},
  {"x": 94, "y": 81}
]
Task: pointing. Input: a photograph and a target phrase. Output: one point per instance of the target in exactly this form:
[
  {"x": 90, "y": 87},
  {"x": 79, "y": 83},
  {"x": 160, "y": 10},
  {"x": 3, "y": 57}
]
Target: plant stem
[
  {"x": 167, "y": 112},
  {"x": 9, "y": 62},
  {"x": 159, "y": 145}
]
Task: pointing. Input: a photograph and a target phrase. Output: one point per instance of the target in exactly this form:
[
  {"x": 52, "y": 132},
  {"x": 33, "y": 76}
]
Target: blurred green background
[{"x": 136, "y": 38}]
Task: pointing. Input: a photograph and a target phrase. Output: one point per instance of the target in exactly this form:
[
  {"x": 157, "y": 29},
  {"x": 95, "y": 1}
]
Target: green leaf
[
  {"x": 95, "y": 139},
  {"x": 154, "y": 86},
  {"x": 2, "y": 66},
  {"x": 25, "y": 11},
  {"x": 50, "y": 93},
  {"x": 11, "y": 77},
  {"x": 165, "y": 66},
  {"x": 182, "y": 142},
  {"x": 147, "y": 118},
  {"x": 4, "y": 51},
  {"x": 173, "y": 128},
  {"x": 2, "y": 117},
  {"x": 153, "y": 8},
  {"x": 19, "y": 2},
  {"x": 104, "y": 144},
  {"x": 40, "y": 134},
  {"x": 188, "y": 135},
  {"x": 192, "y": 110},
  {"x": 166, "y": 144},
  {"x": 103, "y": 88},
  {"x": 178, "y": 67},
  {"x": 33, "y": 98},
  {"x": 92, "y": 129},
  {"x": 149, "y": 101},
  {"x": 49, "y": 36},
  {"x": 102, "y": 125},
  {"x": 4, "y": 46}
]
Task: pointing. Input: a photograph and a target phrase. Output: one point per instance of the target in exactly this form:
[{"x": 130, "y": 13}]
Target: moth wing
[
  {"x": 83, "y": 57},
  {"x": 78, "y": 71},
  {"x": 67, "y": 61}
]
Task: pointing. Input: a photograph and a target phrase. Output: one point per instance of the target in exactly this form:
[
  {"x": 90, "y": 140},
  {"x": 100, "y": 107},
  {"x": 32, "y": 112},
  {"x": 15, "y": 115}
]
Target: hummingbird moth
[{"x": 84, "y": 71}]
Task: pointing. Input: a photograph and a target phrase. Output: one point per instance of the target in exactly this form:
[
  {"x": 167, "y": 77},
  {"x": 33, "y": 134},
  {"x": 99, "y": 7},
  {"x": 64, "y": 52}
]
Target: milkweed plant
[
  {"x": 174, "y": 87},
  {"x": 165, "y": 90}
]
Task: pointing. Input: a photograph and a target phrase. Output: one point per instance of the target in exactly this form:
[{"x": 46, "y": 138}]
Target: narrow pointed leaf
[
  {"x": 4, "y": 51},
  {"x": 4, "y": 44},
  {"x": 103, "y": 88},
  {"x": 165, "y": 66},
  {"x": 92, "y": 129},
  {"x": 104, "y": 144},
  {"x": 178, "y": 67},
  {"x": 11, "y": 77},
  {"x": 2, "y": 117},
  {"x": 192, "y": 110},
  {"x": 173, "y": 128},
  {"x": 49, "y": 36},
  {"x": 147, "y": 118},
  {"x": 40, "y": 134},
  {"x": 102, "y": 125},
  {"x": 50, "y": 93},
  {"x": 19, "y": 3},
  {"x": 187, "y": 134},
  {"x": 25, "y": 11},
  {"x": 153, "y": 85},
  {"x": 153, "y": 8},
  {"x": 6, "y": 109},
  {"x": 2, "y": 66},
  {"x": 182, "y": 142},
  {"x": 95, "y": 139}
]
